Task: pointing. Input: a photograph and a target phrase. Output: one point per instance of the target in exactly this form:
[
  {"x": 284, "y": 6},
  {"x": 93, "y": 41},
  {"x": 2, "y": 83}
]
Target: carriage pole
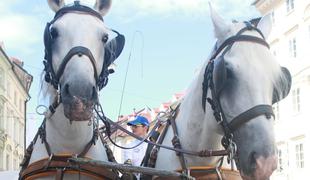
[{"x": 131, "y": 169}]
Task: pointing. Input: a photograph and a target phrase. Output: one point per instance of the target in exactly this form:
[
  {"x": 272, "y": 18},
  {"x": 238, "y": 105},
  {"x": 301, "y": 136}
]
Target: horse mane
[{"x": 46, "y": 90}]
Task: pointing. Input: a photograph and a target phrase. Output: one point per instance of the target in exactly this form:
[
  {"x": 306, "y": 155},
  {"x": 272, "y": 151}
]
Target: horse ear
[
  {"x": 103, "y": 6},
  {"x": 55, "y": 5},
  {"x": 265, "y": 25},
  {"x": 221, "y": 27}
]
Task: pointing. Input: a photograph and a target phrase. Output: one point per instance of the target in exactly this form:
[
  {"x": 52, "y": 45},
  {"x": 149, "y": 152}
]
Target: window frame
[
  {"x": 296, "y": 100},
  {"x": 290, "y": 6}
]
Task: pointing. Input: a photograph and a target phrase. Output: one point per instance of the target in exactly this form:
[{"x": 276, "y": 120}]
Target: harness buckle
[{"x": 232, "y": 153}]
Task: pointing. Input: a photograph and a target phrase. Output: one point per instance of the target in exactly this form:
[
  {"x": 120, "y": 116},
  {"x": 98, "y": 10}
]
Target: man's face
[{"x": 139, "y": 130}]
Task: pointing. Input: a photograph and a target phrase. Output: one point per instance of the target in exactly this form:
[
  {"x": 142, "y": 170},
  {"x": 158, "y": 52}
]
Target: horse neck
[
  {"x": 64, "y": 136},
  {"x": 195, "y": 123}
]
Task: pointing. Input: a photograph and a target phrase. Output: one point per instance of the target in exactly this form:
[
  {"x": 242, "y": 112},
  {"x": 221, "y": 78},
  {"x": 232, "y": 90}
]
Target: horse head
[
  {"x": 246, "y": 81},
  {"x": 78, "y": 53}
]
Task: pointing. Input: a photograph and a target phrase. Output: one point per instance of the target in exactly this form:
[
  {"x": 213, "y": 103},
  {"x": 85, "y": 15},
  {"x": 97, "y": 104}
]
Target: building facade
[
  {"x": 14, "y": 87},
  {"x": 290, "y": 42}
]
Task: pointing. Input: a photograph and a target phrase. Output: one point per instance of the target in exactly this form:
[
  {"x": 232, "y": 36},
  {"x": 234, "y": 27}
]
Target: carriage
[{"x": 225, "y": 119}]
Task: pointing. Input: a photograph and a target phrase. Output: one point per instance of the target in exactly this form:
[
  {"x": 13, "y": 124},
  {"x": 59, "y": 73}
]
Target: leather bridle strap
[
  {"x": 202, "y": 153},
  {"x": 250, "y": 114},
  {"x": 177, "y": 143},
  {"x": 239, "y": 38},
  {"x": 78, "y": 50}
]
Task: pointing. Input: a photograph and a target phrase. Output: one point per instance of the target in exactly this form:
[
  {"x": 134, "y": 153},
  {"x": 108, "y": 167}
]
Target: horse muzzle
[
  {"x": 264, "y": 168},
  {"x": 79, "y": 103}
]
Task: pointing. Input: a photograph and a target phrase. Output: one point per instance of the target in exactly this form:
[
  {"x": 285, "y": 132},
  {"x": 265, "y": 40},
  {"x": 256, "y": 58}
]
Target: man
[{"x": 140, "y": 126}]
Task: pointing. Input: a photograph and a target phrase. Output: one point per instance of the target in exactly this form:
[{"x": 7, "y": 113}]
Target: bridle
[
  {"x": 60, "y": 163},
  {"x": 112, "y": 50},
  {"x": 209, "y": 83}
]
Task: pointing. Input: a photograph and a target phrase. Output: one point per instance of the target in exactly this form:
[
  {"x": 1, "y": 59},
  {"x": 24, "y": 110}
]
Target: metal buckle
[
  {"x": 48, "y": 162},
  {"x": 232, "y": 147}
]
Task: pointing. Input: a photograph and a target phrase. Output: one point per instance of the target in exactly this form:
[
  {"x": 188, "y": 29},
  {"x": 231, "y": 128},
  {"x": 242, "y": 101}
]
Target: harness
[
  {"x": 197, "y": 172},
  {"x": 58, "y": 164}
]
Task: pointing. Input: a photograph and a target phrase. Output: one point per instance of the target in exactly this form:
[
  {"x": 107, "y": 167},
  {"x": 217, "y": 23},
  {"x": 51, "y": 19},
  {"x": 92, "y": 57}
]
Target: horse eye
[
  {"x": 105, "y": 38},
  {"x": 54, "y": 33}
]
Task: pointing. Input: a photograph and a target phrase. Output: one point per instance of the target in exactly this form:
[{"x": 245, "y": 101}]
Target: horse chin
[
  {"x": 263, "y": 170},
  {"x": 78, "y": 109}
]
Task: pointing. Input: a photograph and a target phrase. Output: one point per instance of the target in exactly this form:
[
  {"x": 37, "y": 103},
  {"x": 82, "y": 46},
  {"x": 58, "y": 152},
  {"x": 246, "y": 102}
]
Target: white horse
[
  {"x": 245, "y": 75},
  {"x": 77, "y": 56}
]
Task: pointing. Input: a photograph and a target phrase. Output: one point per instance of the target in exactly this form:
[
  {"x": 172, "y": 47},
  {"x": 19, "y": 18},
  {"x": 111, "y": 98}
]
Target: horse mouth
[
  {"x": 78, "y": 109},
  {"x": 263, "y": 169}
]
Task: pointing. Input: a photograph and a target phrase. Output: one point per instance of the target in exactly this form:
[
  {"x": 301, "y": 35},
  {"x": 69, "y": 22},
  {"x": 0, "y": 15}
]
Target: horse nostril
[
  {"x": 94, "y": 94},
  {"x": 252, "y": 159},
  {"x": 66, "y": 89}
]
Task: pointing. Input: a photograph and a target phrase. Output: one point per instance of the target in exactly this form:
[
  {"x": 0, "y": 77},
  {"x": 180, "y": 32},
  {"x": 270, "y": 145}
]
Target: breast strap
[{"x": 59, "y": 164}]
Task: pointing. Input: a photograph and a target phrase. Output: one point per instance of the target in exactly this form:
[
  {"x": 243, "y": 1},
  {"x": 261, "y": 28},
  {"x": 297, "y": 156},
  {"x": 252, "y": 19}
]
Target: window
[
  {"x": 7, "y": 162},
  {"x": 16, "y": 129},
  {"x": 21, "y": 134},
  {"x": 15, "y": 166},
  {"x": 273, "y": 18},
  {"x": 1, "y": 78},
  {"x": 299, "y": 150},
  {"x": 1, "y": 116},
  {"x": 296, "y": 100},
  {"x": 8, "y": 89},
  {"x": 276, "y": 110},
  {"x": 289, "y": 5},
  {"x": 15, "y": 98},
  {"x": 280, "y": 160},
  {"x": 21, "y": 105},
  {"x": 274, "y": 52},
  {"x": 283, "y": 158},
  {"x": 292, "y": 47},
  {"x": 2, "y": 160}
]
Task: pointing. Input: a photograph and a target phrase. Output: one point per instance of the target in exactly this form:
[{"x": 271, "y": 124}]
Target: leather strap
[
  {"x": 250, "y": 114},
  {"x": 177, "y": 144},
  {"x": 59, "y": 164},
  {"x": 78, "y": 50}
]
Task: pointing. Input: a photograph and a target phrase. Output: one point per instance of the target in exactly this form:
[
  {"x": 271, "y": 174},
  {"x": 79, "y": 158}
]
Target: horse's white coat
[
  {"x": 256, "y": 72},
  {"x": 74, "y": 29}
]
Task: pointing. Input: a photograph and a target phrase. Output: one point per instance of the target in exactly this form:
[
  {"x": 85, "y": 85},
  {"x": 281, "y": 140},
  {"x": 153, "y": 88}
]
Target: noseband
[{"x": 208, "y": 83}]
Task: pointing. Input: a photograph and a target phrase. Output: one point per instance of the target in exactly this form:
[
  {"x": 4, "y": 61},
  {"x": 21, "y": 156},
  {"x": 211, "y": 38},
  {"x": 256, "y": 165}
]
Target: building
[
  {"x": 14, "y": 88},
  {"x": 290, "y": 42}
]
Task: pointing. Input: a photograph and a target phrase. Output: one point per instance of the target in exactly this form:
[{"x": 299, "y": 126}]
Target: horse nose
[
  {"x": 264, "y": 166},
  {"x": 82, "y": 91}
]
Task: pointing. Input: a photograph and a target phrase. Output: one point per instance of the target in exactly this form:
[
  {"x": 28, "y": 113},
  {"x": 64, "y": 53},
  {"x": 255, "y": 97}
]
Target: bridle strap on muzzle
[
  {"x": 249, "y": 115},
  {"x": 77, "y": 50}
]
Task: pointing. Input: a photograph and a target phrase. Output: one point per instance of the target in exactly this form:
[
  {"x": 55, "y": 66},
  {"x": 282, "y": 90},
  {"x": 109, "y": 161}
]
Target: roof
[{"x": 24, "y": 78}]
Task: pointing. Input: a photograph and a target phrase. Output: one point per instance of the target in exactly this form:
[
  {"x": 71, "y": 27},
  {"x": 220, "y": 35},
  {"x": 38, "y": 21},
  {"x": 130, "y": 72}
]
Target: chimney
[
  {"x": 17, "y": 61},
  {"x": 2, "y": 44}
]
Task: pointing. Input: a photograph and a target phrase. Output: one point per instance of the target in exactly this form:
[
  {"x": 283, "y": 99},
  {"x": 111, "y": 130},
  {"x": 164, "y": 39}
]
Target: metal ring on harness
[{"x": 43, "y": 112}]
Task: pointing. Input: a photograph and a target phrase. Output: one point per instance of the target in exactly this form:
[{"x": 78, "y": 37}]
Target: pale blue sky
[{"x": 177, "y": 38}]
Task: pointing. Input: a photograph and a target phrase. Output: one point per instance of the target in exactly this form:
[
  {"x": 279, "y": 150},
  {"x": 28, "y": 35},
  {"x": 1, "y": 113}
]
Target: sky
[{"x": 168, "y": 41}]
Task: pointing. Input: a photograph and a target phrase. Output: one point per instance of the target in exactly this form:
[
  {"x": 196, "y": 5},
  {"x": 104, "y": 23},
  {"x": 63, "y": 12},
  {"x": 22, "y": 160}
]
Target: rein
[{"x": 203, "y": 153}]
